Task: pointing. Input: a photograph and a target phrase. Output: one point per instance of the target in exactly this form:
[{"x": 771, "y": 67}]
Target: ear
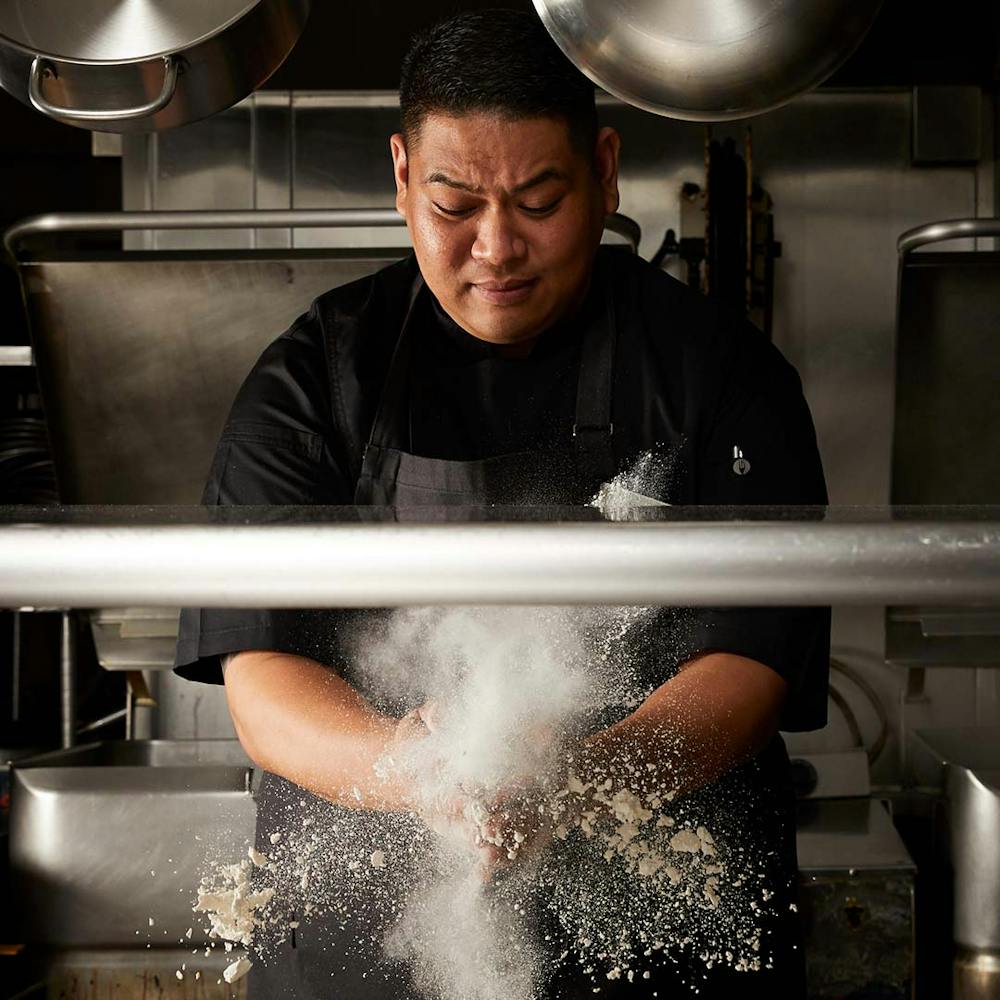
[
  {"x": 606, "y": 157},
  {"x": 401, "y": 171}
]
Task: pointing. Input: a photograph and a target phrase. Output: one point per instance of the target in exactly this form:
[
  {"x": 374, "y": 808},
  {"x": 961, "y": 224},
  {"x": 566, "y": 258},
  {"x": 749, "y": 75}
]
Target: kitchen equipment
[
  {"x": 707, "y": 61},
  {"x": 90, "y": 827},
  {"x": 169, "y": 337},
  {"x": 946, "y": 428},
  {"x": 856, "y": 895},
  {"x": 132, "y": 65},
  {"x": 963, "y": 765}
]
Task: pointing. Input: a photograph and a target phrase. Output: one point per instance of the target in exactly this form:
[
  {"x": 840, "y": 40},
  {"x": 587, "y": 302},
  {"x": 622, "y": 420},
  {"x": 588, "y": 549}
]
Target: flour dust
[{"x": 602, "y": 873}]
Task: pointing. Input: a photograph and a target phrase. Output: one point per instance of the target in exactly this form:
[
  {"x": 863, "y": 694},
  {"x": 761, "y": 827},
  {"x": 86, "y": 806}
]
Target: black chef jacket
[{"x": 693, "y": 383}]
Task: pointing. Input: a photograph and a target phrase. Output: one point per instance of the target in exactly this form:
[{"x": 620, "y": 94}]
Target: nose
[{"x": 497, "y": 241}]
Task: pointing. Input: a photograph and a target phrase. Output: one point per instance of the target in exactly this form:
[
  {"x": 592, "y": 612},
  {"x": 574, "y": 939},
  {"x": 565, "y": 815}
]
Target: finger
[{"x": 430, "y": 715}]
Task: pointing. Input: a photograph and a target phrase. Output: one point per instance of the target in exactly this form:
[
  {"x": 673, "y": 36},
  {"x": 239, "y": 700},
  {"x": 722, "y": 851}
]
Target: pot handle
[{"x": 42, "y": 68}]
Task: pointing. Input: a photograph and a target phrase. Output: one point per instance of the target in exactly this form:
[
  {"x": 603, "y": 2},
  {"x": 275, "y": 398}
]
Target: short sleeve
[
  {"x": 279, "y": 447},
  {"x": 758, "y": 447}
]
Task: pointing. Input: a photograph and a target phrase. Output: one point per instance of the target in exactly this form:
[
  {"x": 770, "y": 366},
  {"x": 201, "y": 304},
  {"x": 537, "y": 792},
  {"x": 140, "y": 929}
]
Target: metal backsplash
[{"x": 839, "y": 167}]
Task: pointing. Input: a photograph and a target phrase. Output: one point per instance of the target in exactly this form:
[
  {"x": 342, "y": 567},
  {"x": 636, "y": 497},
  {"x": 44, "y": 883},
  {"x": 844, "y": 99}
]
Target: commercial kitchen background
[{"x": 904, "y": 134}]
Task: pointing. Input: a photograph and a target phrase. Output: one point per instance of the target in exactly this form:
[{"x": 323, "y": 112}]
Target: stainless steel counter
[{"x": 109, "y": 841}]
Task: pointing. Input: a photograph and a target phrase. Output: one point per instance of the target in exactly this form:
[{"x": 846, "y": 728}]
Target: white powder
[
  {"x": 629, "y": 885},
  {"x": 637, "y": 487},
  {"x": 231, "y": 905}
]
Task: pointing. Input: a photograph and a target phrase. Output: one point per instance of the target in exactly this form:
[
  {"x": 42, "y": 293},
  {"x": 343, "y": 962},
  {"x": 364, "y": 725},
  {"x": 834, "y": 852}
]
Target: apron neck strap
[
  {"x": 394, "y": 391},
  {"x": 593, "y": 424}
]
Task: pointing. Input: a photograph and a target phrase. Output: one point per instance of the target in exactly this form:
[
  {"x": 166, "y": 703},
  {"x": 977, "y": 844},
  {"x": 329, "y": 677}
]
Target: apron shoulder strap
[{"x": 394, "y": 391}]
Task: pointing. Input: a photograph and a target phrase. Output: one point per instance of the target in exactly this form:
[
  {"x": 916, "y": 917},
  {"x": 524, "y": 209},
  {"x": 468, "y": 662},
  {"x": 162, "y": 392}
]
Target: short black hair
[{"x": 496, "y": 61}]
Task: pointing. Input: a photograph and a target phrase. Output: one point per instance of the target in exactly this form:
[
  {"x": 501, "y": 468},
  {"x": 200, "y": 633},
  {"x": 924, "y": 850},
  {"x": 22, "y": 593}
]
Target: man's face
[{"x": 505, "y": 217}]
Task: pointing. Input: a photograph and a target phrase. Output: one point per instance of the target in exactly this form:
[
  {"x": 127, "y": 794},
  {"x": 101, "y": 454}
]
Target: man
[{"x": 512, "y": 360}]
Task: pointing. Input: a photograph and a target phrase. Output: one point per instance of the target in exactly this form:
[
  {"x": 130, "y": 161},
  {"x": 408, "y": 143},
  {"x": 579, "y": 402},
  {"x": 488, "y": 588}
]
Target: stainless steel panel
[
  {"x": 838, "y": 168},
  {"x": 89, "y": 826},
  {"x": 680, "y": 564},
  {"x": 165, "y": 345},
  {"x": 849, "y": 835},
  {"x": 341, "y": 160},
  {"x": 186, "y": 711},
  {"x": 964, "y": 763},
  {"x": 202, "y": 166},
  {"x": 272, "y": 163},
  {"x": 139, "y": 974},
  {"x": 135, "y": 638}
]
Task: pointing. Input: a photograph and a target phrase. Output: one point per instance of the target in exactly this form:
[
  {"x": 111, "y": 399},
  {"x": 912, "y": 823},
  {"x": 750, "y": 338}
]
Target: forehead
[{"x": 484, "y": 147}]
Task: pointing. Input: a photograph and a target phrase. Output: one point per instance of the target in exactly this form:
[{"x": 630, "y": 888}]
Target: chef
[{"x": 511, "y": 359}]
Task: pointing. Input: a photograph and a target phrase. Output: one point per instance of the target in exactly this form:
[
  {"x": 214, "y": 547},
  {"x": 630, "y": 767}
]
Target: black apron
[
  {"x": 325, "y": 962},
  {"x": 395, "y": 478}
]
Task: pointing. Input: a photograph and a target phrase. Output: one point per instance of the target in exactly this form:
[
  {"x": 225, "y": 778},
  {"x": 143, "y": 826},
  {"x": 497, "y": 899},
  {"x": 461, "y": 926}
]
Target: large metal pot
[
  {"x": 141, "y": 65},
  {"x": 707, "y": 60}
]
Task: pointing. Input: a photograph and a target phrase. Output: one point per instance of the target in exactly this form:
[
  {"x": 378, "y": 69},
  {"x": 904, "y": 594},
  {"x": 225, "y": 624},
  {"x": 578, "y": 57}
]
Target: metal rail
[
  {"x": 950, "y": 229},
  {"x": 337, "y": 565},
  {"x": 330, "y": 218}
]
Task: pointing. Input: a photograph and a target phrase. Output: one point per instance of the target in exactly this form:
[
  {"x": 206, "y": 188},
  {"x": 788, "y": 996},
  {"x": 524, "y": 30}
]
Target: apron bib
[{"x": 571, "y": 475}]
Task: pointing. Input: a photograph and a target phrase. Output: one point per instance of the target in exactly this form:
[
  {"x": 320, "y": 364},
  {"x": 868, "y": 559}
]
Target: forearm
[
  {"x": 718, "y": 712},
  {"x": 300, "y": 720}
]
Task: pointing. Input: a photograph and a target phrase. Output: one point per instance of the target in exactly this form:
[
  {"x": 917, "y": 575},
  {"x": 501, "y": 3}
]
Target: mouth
[{"x": 505, "y": 293}]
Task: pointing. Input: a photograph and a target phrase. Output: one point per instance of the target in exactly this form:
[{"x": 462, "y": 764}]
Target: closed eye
[
  {"x": 542, "y": 209},
  {"x": 454, "y": 213}
]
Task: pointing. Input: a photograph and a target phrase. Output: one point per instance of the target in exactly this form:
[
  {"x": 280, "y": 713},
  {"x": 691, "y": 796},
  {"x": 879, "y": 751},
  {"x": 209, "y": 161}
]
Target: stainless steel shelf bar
[
  {"x": 338, "y": 565},
  {"x": 15, "y": 356},
  {"x": 950, "y": 229},
  {"x": 334, "y": 218}
]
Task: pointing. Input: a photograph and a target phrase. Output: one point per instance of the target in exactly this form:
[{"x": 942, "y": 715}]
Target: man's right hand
[{"x": 447, "y": 811}]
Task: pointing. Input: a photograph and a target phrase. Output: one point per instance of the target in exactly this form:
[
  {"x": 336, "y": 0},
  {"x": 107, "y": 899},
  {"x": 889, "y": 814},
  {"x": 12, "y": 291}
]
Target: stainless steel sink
[
  {"x": 90, "y": 827},
  {"x": 963, "y": 763}
]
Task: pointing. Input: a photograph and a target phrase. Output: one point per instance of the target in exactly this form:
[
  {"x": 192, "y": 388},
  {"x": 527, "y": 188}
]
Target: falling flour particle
[
  {"x": 260, "y": 860},
  {"x": 377, "y": 859},
  {"x": 237, "y": 970},
  {"x": 231, "y": 905},
  {"x": 275, "y": 838},
  {"x": 686, "y": 841},
  {"x": 151, "y": 922},
  {"x": 179, "y": 974}
]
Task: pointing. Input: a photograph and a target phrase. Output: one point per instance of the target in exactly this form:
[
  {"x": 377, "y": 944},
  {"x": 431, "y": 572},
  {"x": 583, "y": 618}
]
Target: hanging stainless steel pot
[
  {"x": 707, "y": 60},
  {"x": 142, "y": 65}
]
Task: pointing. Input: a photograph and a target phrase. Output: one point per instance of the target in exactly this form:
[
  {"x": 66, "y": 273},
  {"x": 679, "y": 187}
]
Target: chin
[{"x": 503, "y": 332}]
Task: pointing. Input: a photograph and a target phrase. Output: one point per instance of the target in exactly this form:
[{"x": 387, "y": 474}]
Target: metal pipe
[
  {"x": 102, "y": 722},
  {"x": 950, "y": 229},
  {"x": 67, "y": 679},
  {"x": 351, "y": 565},
  {"x": 327, "y": 218}
]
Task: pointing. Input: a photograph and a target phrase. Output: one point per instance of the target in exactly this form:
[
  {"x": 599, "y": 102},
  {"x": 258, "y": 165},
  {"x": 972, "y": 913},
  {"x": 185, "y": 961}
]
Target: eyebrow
[{"x": 544, "y": 177}]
